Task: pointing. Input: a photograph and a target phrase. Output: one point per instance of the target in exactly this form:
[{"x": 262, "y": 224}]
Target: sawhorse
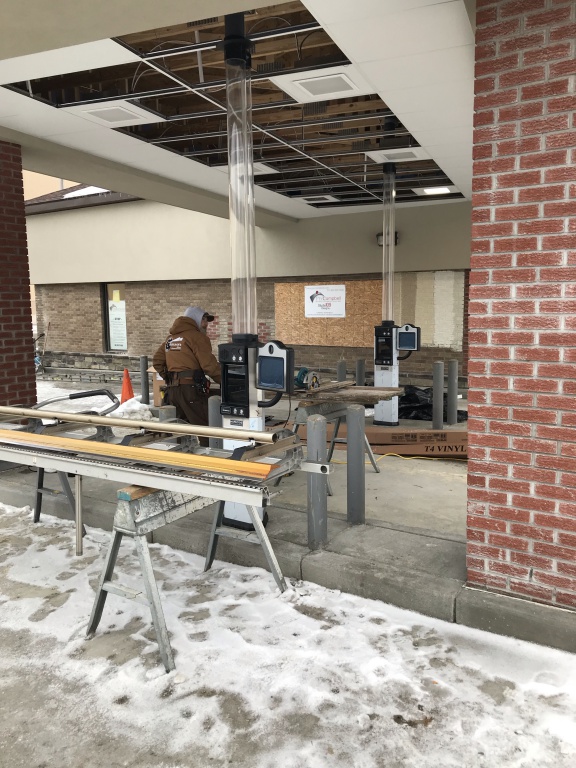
[{"x": 143, "y": 510}]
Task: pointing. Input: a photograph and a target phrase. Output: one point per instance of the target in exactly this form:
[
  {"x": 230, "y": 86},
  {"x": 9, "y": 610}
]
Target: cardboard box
[
  {"x": 405, "y": 435},
  {"x": 157, "y": 382},
  {"x": 443, "y": 450}
]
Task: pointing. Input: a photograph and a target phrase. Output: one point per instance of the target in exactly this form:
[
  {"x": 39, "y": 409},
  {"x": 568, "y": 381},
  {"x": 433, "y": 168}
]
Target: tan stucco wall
[
  {"x": 36, "y": 184},
  {"x": 150, "y": 241}
]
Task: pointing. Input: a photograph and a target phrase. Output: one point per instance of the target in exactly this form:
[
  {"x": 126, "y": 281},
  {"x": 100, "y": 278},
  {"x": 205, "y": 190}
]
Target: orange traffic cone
[{"x": 127, "y": 391}]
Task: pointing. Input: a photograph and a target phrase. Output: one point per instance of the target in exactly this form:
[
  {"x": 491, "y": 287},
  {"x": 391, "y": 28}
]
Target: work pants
[{"x": 191, "y": 405}]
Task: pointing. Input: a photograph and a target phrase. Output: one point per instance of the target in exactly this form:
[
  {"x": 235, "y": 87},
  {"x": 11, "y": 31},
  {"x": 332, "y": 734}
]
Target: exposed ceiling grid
[{"x": 335, "y": 90}]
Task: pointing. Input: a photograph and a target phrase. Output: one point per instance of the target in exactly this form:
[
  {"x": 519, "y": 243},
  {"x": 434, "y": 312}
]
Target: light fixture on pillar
[{"x": 380, "y": 239}]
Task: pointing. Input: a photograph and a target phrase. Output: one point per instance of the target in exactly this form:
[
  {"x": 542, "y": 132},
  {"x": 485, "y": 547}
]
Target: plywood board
[{"x": 363, "y": 312}]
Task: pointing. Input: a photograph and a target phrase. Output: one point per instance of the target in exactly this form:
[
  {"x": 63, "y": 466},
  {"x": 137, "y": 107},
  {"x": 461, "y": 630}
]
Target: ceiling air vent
[
  {"x": 326, "y": 85},
  {"x": 322, "y": 84},
  {"x": 399, "y": 155},
  {"x": 201, "y": 22},
  {"x": 114, "y": 114}
]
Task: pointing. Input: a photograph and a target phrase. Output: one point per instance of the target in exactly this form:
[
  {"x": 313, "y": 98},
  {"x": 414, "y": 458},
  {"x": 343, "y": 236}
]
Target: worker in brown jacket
[{"x": 184, "y": 361}]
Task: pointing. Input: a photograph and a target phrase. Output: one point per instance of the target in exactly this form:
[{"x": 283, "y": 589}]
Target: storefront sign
[{"x": 325, "y": 301}]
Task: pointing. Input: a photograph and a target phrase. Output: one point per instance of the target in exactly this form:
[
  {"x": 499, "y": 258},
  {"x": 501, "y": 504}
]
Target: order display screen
[
  {"x": 407, "y": 340},
  {"x": 271, "y": 373}
]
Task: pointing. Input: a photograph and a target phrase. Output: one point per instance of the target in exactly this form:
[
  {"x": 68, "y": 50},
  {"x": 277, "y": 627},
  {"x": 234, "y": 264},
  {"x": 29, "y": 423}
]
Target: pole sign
[{"x": 325, "y": 301}]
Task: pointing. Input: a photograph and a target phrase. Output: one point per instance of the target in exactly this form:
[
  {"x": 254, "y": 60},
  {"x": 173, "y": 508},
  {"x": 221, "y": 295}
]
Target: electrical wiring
[{"x": 289, "y": 411}]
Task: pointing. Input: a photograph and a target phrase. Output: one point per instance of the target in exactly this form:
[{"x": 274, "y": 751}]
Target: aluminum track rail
[{"x": 243, "y": 491}]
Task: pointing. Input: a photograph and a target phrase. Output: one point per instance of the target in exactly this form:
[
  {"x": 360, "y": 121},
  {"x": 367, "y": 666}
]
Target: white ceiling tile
[
  {"x": 76, "y": 58},
  {"x": 422, "y": 69},
  {"x": 36, "y": 118},
  {"x": 425, "y": 119},
  {"x": 451, "y": 135},
  {"x": 330, "y": 11},
  {"x": 459, "y": 93},
  {"x": 432, "y": 28}
]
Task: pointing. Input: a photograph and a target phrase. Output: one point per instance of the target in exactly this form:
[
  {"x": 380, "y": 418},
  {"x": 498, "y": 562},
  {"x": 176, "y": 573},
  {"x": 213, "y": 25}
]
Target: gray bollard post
[
  {"x": 317, "y": 483},
  {"x": 341, "y": 370},
  {"x": 214, "y": 420},
  {"x": 452, "y": 406},
  {"x": 438, "y": 395},
  {"x": 355, "y": 473},
  {"x": 360, "y": 373},
  {"x": 144, "y": 382}
]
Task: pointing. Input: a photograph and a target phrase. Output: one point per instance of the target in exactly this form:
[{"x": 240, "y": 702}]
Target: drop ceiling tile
[
  {"x": 460, "y": 93},
  {"x": 445, "y": 118},
  {"x": 451, "y": 135},
  {"x": 75, "y": 58},
  {"x": 422, "y": 69},
  {"x": 328, "y": 11},
  {"x": 36, "y": 118},
  {"x": 446, "y": 150},
  {"x": 431, "y": 28}
]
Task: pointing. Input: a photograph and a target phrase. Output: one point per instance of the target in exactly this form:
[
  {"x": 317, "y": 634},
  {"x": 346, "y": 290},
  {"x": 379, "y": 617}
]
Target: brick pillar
[
  {"x": 522, "y": 468},
  {"x": 17, "y": 377}
]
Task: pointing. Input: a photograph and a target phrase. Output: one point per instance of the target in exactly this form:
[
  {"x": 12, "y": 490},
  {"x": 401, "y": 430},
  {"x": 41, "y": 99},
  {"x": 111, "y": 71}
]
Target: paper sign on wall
[
  {"x": 117, "y": 325},
  {"x": 325, "y": 301}
]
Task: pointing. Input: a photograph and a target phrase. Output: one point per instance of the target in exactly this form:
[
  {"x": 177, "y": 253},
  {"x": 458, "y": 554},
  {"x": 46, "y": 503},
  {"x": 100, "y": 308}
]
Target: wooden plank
[
  {"x": 190, "y": 461},
  {"x": 133, "y": 492},
  {"x": 351, "y": 394}
]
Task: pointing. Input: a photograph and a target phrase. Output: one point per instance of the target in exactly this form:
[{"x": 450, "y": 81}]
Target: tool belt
[{"x": 197, "y": 377}]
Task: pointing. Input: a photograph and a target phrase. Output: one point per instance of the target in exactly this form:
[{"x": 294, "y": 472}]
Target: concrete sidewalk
[{"x": 410, "y": 552}]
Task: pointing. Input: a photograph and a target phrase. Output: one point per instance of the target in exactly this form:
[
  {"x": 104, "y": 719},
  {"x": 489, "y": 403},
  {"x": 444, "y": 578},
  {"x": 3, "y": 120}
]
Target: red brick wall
[
  {"x": 522, "y": 336},
  {"x": 17, "y": 377}
]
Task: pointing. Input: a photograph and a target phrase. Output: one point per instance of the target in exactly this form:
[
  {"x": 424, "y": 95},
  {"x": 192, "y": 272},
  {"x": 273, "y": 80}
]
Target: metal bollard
[
  {"x": 355, "y": 473},
  {"x": 341, "y": 370},
  {"x": 317, "y": 483},
  {"x": 360, "y": 373},
  {"x": 214, "y": 420},
  {"x": 452, "y": 406},
  {"x": 144, "y": 382},
  {"x": 438, "y": 395}
]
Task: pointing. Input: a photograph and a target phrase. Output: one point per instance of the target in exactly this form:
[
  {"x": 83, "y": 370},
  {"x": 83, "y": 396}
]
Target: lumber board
[
  {"x": 351, "y": 394},
  {"x": 189, "y": 461}
]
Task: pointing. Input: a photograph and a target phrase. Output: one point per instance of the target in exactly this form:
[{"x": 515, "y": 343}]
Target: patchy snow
[{"x": 305, "y": 679}]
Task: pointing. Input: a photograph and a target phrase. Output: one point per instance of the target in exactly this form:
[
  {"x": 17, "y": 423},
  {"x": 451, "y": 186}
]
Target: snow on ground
[
  {"x": 305, "y": 679},
  {"x": 131, "y": 409}
]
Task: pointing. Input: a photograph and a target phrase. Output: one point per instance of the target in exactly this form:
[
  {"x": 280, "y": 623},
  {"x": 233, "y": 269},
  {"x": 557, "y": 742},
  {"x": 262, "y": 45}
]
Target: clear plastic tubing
[
  {"x": 389, "y": 237},
  {"x": 241, "y": 198}
]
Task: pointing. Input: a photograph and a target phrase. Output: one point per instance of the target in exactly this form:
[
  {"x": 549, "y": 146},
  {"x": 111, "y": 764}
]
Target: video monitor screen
[
  {"x": 235, "y": 386},
  {"x": 407, "y": 340},
  {"x": 271, "y": 373}
]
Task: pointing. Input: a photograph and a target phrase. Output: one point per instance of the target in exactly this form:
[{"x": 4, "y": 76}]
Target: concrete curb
[{"x": 515, "y": 617}]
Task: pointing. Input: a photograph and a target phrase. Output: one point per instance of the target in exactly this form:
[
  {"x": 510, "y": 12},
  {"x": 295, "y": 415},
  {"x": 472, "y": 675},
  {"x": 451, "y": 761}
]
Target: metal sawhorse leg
[
  {"x": 258, "y": 536},
  {"x": 74, "y": 501},
  {"x": 142, "y": 510},
  {"x": 336, "y": 439},
  {"x": 151, "y": 598}
]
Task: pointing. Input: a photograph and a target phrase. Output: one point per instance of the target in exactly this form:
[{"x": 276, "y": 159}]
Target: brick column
[
  {"x": 17, "y": 378},
  {"x": 522, "y": 468}
]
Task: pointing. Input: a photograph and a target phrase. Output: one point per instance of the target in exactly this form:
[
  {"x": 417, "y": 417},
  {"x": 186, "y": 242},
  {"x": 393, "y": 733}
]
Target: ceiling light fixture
[{"x": 430, "y": 191}]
